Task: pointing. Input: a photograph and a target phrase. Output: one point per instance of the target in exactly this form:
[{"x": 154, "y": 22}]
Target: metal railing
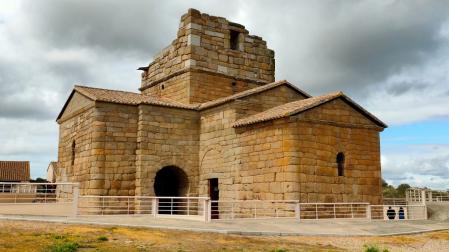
[
  {"x": 63, "y": 199},
  {"x": 426, "y": 195},
  {"x": 259, "y": 209},
  {"x": 55, "y": 199},
  {"x": 334, "y": 211},
  {"x": 36, "y": 192},
  {"x": 139, "y": 205},
  {"x": 398, "y": 212},
  {"x": 241, "y": 209},
  {"x": 263, "y": 209},
  {"x": 395, "y": 201}
]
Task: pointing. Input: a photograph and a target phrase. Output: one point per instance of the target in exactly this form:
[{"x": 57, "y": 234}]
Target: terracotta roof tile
[
  {"x": 250, "y": 92},
  {"x": 299, "y": 106},
  {"x": 130, "y": 98},
  {"x": 14, "y": 171}
]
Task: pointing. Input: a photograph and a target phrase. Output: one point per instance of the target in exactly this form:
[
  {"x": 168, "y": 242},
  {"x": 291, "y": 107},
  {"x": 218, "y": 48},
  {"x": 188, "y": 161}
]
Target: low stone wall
[{"x": 438, "y": 211}]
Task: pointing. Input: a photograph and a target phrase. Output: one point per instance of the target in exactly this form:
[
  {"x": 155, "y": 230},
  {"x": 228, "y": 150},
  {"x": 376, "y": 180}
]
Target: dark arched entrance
[{"x": 170, "y": 181}]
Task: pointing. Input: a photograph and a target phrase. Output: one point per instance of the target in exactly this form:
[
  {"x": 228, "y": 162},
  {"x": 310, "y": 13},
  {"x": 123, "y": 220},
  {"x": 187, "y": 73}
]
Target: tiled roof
[
  {"x": 250, "y": 92},
  {"x": 14, "y": 171},
  {"x": 130, "y": 98},
  {"x": 299, "y": 106}
]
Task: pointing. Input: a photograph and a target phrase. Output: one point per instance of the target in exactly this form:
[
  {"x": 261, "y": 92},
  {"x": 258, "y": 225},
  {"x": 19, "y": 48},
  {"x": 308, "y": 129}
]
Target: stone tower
[{"x": 210, "y": 58}]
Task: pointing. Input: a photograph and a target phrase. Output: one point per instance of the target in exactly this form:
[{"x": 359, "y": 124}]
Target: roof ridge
[
  {"x": 295, "y": 107},
  {"x": 248, "y": 92},
  {"x": 14, "y": 161},
  {"x": 116, "y": 90}
]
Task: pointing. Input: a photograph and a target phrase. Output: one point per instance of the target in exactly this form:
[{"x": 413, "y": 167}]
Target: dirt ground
[{"x": 42, "y": 236}]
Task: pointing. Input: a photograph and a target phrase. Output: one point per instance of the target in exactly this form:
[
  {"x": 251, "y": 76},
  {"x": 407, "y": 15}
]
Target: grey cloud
[
  {"x": 72, "y": 72},
  {"x": 324, "y": 46},
  {"x": 418, "y": 165},
  {"x": 135, "y": 28},
  {"x": 24, "y": 94},
  {"x": 404, "y": 87},
  {"x": 360, "y": 44},
  {"x": 438, "y": 166},
  {"x": 12, "y": 108},
  {"x": 114, "y": 26}
]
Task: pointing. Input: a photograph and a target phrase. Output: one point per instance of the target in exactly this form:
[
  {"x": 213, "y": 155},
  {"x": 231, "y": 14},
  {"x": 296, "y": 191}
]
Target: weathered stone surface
[{"x": 203, "y": 49}]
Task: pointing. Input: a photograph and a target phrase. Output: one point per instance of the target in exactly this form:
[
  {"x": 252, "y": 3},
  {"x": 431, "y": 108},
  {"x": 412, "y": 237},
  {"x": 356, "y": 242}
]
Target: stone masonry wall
[
  {"x": 221, "y": 146},
  {"x": 263, "y": 101},
  {"x": 166, "y": 137},
  {"x": 198, "y": 87},
  {"x": 75, "y": 128},
  {"x": 316, "y": 139},
  {"x": 176, "y": 88},
  {"x": 217, "y": 150},
  {"x": 295, "y": 158},
  {"x": 206, "y": 87},
  {"x": 203, "y": 44},
  {"x": 263, "y": 172},
  {"x": 114, "y": 145}
]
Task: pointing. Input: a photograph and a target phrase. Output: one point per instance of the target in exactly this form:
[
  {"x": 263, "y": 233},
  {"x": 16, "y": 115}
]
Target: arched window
[
  {"x": 73, "y": 152},
  {"x": 341, "y": 164}
]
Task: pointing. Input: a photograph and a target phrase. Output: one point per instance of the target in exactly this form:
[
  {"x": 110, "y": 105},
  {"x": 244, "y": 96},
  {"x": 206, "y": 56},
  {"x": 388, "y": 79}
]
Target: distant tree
[
  {"x": 389, "y": 191},
  {"x": 38, "y": 180},
  {"x": 385, "y": 184},
  {"x": 401, "y": 189}
]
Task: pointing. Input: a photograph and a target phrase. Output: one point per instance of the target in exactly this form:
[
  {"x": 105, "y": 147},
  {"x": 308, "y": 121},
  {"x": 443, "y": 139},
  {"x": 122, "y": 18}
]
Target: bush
[
  {"x": 374, "y": 248},
  {"x": 102, "y": 238},
  {"x": 66, "y": 246}
]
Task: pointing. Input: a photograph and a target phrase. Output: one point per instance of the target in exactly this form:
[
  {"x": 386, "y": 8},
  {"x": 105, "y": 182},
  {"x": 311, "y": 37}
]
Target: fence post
[
  {"x": 423, "y": 196},
  {"x": 207, "y": 210},
  {"x": 298, "y": 211},
  {"x": 368, "y": 212},
  {"x": 154, "y": 207},
  {"x": 75, "y": 197}
]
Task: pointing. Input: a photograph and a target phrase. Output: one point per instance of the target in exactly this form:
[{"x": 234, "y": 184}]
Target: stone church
[{"x": 210, "y": 120}]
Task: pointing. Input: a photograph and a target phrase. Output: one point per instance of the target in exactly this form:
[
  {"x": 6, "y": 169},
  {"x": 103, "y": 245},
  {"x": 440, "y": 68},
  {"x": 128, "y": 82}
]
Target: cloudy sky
[{"x": 390, "y": 56}]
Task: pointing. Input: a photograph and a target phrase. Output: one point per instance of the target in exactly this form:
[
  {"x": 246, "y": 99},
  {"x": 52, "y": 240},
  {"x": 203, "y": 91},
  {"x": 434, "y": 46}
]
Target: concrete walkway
[{"x": 273, "y": 227}]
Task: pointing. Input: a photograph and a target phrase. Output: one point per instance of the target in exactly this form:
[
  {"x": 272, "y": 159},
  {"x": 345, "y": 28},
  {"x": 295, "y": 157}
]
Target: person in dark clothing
[
  {"x": 391, "y": 213},
  {"x": 401, "y": 213}
]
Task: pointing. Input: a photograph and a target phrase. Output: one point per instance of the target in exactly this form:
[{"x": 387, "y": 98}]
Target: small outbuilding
[{"x": 14, "y": 171}]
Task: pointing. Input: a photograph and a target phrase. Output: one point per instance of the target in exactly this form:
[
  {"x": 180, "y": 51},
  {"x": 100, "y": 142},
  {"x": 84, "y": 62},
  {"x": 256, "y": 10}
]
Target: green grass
[
  {"x": 374, "y": 248},
  {"x": 102, "y": 238},
  {"x": 66, "y": 246}
]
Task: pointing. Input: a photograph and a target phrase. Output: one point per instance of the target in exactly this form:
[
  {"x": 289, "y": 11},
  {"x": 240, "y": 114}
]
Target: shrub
[
  {"x": 374, "y": 248},
  {"x": 58, "y": 237},
  {"x": 102, "y": 238},
  {"x": 66, "y": 246}
]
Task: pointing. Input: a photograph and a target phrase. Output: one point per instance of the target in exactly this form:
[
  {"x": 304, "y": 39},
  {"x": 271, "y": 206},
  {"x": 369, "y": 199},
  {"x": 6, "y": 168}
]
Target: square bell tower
[{"x": 210, "y": 58}]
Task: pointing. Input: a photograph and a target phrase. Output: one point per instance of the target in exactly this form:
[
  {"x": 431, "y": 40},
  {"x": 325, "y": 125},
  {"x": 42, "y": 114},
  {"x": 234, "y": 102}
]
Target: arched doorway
[{"x": 170, "y": 181}]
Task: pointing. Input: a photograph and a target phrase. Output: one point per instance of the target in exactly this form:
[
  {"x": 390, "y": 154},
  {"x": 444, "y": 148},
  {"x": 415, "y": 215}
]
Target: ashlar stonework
[{"x": 209, "y": 109}]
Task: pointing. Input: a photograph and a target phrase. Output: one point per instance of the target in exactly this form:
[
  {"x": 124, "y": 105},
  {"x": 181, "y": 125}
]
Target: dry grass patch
[{"x": 40, "y": 236}]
